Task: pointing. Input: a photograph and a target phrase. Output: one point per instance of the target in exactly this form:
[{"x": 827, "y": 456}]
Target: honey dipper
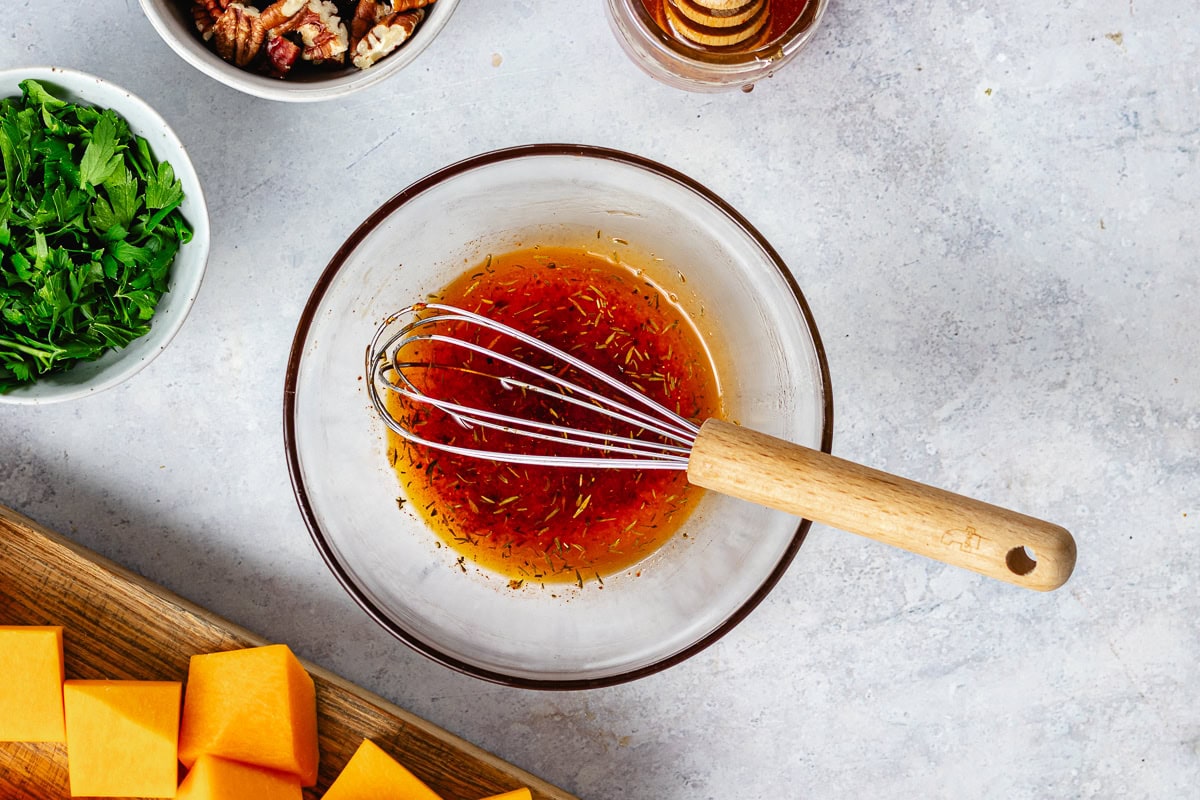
[{"x": 718, "y": 23}]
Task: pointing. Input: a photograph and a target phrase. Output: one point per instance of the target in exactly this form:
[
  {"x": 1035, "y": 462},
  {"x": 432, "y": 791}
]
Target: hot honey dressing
[{"x": 542, "y": 523}]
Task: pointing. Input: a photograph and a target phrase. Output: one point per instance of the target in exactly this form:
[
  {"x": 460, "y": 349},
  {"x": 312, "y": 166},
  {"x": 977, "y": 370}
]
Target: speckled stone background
[{"x": 992, "y": 208}]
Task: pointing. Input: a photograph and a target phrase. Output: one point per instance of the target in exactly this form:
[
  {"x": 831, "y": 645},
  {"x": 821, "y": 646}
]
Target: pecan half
[
  {"x": 279, "y": 13},
  {"x": 205, "y": 14},
  {"x": 366, "y": 14},
  {"x": 320, "y": 29},
  {"x": 370, "y": 12},
  {"x": 238, "y": 34},
  {"x": 388, "y": 34}
]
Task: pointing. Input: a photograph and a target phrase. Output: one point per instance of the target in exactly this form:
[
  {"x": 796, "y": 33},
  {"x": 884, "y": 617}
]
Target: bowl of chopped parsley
[{"x": 103, "y": 234}]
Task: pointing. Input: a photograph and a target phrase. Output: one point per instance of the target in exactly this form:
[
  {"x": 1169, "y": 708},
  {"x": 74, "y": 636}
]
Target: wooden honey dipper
[{"x": 737, "y": 24}]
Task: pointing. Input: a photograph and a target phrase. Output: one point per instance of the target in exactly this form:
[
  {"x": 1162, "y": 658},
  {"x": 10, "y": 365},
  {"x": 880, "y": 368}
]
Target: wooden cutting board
[{"x": 118, "y": 625}]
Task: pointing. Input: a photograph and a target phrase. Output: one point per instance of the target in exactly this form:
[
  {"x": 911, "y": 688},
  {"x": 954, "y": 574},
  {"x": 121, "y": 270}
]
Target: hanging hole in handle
[{"x": 1021, "y": 560}]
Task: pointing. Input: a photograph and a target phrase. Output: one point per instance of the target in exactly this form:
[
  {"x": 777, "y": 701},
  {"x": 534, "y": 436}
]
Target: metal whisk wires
[{"x": 653, "y": 437}]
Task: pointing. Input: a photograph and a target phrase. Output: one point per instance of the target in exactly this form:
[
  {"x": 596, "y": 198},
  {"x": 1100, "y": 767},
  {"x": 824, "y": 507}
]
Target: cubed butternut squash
[
  {"x": 31, "y": 678},
  {"x": 516, "y": 794},
  {"x": 213, "y": 778},
  {"x": 371, "y": 774},
  {"x": 122, "y": 737},
  {"x": 256, "y": 705}
]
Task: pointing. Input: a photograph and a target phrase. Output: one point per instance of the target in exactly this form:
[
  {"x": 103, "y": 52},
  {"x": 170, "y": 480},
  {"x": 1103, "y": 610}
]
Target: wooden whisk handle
[{"x": 948, "y": 527}]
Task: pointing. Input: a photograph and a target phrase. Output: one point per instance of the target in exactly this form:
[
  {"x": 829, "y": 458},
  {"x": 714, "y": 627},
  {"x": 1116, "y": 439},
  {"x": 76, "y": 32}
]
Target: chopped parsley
[{"x": 89, "y": 227}]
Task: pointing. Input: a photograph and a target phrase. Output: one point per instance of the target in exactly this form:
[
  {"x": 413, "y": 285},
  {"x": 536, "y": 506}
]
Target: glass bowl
[
  {"x": 172, "y": 20},
  {"x": 187, "y": 271},
  {"x": 728, "y": 553},
  {"x": 684, "y": 66}
]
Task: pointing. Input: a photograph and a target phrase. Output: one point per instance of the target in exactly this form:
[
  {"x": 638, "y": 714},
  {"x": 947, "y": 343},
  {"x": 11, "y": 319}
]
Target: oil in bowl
[{"x": 549, "y": 523}]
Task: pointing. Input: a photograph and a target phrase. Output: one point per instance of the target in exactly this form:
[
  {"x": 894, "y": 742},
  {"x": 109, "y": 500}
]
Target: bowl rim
[
  {"x": 296, "y": 355},
  {"x": 77, "y": 82},
  {"x": 197, "y": 55}
]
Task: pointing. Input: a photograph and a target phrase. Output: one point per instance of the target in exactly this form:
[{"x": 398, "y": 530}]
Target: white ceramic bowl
[
  {"x": 172, "y": 19},
  {"x": 690, "y": 591},
  {"x": 188, "y": 268}
]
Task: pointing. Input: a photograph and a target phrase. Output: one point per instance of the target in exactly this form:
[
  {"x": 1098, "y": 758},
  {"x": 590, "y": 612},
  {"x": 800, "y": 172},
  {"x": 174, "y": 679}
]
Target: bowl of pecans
[{"x": 299, "y": 50}]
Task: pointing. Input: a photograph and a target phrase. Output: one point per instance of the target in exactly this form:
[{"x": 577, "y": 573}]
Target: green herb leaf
[
  {"x": 163, "y": 189},
  {"x": 89, "y": 227},
  {"x": 34, "y": 93},
  {"x": 99, "y": 161}
]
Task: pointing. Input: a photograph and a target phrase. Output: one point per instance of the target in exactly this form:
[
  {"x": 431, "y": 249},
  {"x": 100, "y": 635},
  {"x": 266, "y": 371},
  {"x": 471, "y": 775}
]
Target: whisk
[{"x": 716, "y": 455}]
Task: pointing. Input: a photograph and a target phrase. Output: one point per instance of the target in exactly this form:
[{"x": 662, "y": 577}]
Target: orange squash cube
[
  {"x": 213, "y": 778},
  {"x": 31, "y": 677},
  {"x": 516, "y": 794},
  {"x": 371, "y": 774},
  {"x": 257, "y": 706},
  {"x": 122, "y": 737}
]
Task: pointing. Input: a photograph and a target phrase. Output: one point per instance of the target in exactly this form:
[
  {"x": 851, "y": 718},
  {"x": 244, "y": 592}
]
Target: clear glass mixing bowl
[{"x": 680, "y": 598}]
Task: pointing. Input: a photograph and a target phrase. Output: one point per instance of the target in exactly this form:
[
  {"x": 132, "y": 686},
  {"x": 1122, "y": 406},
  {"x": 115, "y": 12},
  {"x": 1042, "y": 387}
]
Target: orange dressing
[{"x": 543, "y": 523}]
